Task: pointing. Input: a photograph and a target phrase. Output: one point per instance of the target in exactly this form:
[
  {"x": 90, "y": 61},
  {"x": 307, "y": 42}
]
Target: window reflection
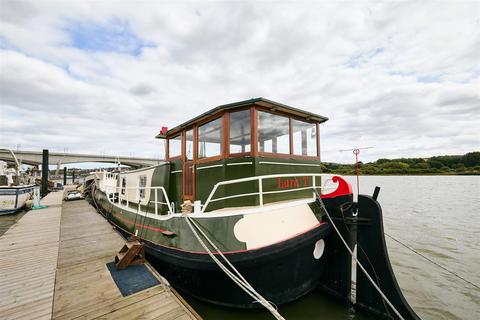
[
  {"x": 142, "y": 184},
  {"x": 210, "y": 139},
  {"x": 273, "y": 133},
  {"x": 240, "y": 131},
  {"x": 175, "y": 146},
  {"x": 304, "y": 138},
  {"x": 189, "y": 144}
]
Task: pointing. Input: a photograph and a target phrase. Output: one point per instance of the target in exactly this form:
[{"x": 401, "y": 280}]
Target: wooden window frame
[
  {"x": 317, "y": 140},
  {"x": 184, "y": 143},
  {"x": 180, "y": 157},
  {"x": 274, "y": 154},
  {"x": 227, "y": 136},
  {"x": 285, "y": 155},
  {"x": 222, "y": 135}
]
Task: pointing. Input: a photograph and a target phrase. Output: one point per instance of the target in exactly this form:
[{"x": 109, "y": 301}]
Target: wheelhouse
[{"x": 245, "y": 139}]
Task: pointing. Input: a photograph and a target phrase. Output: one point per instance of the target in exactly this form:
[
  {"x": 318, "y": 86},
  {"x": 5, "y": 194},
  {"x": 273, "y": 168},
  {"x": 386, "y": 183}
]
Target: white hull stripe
[
  {"x": 208, "y": 167},
  {"x": 239, "y": 163},
  {"x": 291, "y": 164}
]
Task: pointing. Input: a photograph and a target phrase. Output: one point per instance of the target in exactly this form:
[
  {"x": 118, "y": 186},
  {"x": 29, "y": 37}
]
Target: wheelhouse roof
[{"x": 272, "y": 105}]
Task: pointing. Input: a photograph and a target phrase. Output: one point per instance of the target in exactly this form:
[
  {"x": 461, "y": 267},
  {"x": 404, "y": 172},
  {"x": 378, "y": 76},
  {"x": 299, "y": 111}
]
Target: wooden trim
[
  {"x": 210, "y": 159},
  {"x": 183, "y": 162},
  {"x": 209, "y": 119},
  {"x": 195, "y": 160},
  {"x": 253, "y": 131},
  {"x": 184, "y": 156},
  {"x": 195, "y": 144},
  {"x": 284, "y": 114},
  {"x": 290, "y": 129},
  {"x": 318, "y": 142},
  {"x": 167, "y": 152}
]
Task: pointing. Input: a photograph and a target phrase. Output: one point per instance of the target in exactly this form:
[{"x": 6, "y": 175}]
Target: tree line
[{"x": 467, "y": 164}]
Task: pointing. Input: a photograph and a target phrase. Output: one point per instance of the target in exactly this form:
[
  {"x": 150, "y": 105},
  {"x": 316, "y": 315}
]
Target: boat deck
[{"x": 53, "y": 266}]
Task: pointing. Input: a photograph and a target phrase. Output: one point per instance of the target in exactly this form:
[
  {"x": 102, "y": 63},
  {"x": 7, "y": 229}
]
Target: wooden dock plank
[
  {"x": 99, "y": 309},
  {"x": 28, "y": 263},
  {"x": 84, "y": 288},
  {"x": 53, "y": 265}
]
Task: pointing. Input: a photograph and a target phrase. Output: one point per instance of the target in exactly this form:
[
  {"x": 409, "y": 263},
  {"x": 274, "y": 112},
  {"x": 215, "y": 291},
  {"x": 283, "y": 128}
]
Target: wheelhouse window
[
  {"x": 175, "y": 146},
  {"x": 240, "y": 136},
  {"x": 210, "y": 139},
  {"x": 142, "y": 183},
  {"x": 189, "y": 144},
  {"x": 304, "y": 138},
  {"x": 273, "y": 133}
]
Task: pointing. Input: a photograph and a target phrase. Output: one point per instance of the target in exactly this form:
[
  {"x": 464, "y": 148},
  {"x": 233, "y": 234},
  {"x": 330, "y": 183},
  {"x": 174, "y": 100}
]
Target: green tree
[
  {"x": 471, "y": 159},
  {"x": 435, "y": 164}
]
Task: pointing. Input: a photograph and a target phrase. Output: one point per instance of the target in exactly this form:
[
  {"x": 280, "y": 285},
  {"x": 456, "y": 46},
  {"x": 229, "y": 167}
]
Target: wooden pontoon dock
[{"x": 53, "y": 266}]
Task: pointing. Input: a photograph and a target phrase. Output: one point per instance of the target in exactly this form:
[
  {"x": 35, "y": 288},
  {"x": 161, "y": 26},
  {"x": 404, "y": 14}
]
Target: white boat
[{"x": 14, "y": 190}]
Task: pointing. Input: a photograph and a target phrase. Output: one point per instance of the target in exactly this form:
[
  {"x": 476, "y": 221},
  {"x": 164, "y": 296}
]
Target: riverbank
[{"x": 467, "y": 164}]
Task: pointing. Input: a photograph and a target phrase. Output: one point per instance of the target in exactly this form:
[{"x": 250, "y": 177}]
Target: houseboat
[{"x": 245, "y": 174}]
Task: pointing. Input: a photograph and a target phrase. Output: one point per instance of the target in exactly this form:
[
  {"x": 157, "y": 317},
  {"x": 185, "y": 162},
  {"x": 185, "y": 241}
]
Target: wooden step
[{"x": 131, "y": 253}]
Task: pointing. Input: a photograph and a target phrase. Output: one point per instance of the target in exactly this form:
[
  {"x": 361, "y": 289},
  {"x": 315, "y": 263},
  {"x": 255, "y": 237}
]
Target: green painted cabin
[{"x": 238, "y": 140}]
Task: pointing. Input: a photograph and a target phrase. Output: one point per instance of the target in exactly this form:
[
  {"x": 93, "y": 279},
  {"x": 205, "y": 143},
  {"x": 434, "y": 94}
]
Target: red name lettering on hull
[{"x": 290, "y": 183}]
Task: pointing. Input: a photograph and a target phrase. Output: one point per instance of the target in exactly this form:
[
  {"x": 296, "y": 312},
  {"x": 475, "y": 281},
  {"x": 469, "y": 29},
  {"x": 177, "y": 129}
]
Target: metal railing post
[
  {"x": 260, "y": 191},
  {"x": 209, "y": 197}
]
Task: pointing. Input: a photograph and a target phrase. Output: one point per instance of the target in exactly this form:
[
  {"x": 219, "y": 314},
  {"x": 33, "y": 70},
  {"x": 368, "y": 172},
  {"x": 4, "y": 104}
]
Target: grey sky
[{"x": 104, "y": 77}]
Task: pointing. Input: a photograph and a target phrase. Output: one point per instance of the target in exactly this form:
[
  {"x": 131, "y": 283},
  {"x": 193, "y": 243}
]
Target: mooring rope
[
  {"x": 356, "y": 260},
  {"x": 432, "y": 261},
  {"x": 238, "y": 279}
]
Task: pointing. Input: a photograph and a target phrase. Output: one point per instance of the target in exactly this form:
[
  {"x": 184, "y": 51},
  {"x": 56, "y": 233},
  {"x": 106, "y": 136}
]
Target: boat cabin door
[{"x": 188, "y": 168}]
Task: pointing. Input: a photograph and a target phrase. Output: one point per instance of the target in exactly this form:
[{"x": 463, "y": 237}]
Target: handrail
[
  {"x": 260, "y": 192},
  {"x": 119, "y": 189}
]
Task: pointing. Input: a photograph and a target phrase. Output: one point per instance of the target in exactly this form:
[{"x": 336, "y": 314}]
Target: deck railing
[
  {"x": 260, "y": 192},
  {"x": 119, "y": 194}
]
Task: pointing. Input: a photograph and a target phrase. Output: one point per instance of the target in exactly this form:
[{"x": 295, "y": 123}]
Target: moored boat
[
  {"x": 245, "y": 175},
  {"x": 14, "y": 192}
]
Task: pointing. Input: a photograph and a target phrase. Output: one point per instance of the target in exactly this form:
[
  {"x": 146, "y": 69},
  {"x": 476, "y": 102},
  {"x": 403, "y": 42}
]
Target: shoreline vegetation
[{"x": 467, "y": 164}]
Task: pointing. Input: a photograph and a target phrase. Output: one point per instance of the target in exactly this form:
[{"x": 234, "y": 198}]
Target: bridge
[{"x": 58, "y": 159}]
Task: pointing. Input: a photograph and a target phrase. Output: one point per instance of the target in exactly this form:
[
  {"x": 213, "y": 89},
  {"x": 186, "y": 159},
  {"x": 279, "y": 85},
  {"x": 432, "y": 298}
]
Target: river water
[
  {"x": 438, "y": 216},
  {"x": 6, "y": 221}
]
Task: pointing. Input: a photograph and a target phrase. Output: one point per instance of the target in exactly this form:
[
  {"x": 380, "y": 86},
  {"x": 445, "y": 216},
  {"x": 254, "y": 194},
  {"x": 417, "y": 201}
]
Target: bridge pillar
[
  {"x": 57, "y": 172},
  {"x": 44, "y": 187}
]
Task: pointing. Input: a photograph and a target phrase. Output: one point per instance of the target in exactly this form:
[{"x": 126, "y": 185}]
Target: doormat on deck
[{"x": 132, "y": 279}]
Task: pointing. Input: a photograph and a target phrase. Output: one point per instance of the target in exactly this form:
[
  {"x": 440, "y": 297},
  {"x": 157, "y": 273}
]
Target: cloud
[{"x": 105, "y": 77}]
